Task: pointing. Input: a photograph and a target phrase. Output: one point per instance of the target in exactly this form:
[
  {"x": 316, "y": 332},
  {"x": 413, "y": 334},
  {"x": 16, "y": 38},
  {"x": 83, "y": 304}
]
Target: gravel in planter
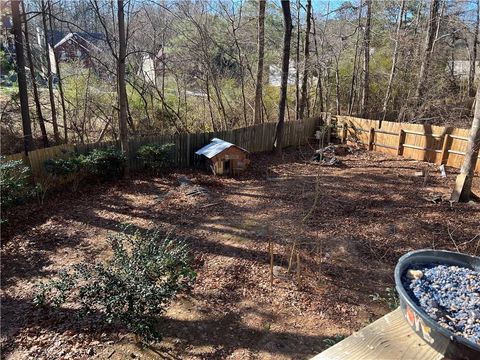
[{"x": 450, "y": 295}]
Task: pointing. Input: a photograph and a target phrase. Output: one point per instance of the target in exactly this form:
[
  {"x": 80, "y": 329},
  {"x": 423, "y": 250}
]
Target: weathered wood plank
[{"x": 388, "y": 338}]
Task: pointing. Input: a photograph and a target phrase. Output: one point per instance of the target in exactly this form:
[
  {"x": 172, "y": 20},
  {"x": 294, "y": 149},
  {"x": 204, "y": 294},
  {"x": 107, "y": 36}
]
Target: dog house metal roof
[{"x": 215, "y": 147}]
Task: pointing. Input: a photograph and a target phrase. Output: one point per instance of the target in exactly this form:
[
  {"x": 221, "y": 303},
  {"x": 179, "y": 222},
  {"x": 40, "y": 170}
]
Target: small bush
[
  {"x": 68, "y": 170},
  {"x": 156, "y": 157},
  {"x": 14, "y": 182},
  {"x": 391, "y": 298},
  {"x": 62, "y": 167},
  {"x": 329, "y": 342},
  {"x": 101, "y": 164},
  {"x": 105, "y": 164},
  {"x": 145, "y": 272}
]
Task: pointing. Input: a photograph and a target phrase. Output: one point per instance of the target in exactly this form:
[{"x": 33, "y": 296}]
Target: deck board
[{"x": 388, "y": 338}]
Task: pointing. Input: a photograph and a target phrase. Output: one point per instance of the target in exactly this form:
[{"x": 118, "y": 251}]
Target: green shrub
[
  {"x": 101, "y": 164},
  {"x": 105, "y": 164},
  {"x": 14, "y": 182},
  {"x": 144, "y": 274},
  {"x": 329, "y": 342},
  {"x": 68, "y": 170},
  {"x": 391, "y": 298},
  {"x": 62, "y": 167},
  {"x": 156, "y": 157}
]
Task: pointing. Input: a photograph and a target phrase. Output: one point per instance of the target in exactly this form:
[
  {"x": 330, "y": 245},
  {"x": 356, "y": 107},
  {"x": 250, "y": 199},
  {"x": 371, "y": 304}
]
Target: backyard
[{"x": 351, "y": 223}]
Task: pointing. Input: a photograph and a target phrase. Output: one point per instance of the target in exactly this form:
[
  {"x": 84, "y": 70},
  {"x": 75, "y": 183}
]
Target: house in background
[
  {"x": 76, "y": 46},
  {"x": 152, "y": 67},
  {"x": 461, "y": 68},
  {"x": 275, "y": 75}
]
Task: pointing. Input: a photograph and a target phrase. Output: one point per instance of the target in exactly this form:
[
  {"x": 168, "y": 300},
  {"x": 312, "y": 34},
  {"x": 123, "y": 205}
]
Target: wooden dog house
[{"x": 225, "y": 158}]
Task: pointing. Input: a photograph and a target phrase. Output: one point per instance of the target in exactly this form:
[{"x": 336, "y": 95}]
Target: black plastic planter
[{"x": 442, "y": 340}]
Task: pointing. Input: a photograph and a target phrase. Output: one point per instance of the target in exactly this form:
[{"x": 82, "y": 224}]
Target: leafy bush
[
  {"x": 329, "y": 342},
  {"x": 156, "y": 157},
  {"x": 14, "y": 182},
  {"x": 105, "y": 164},
  {"x": 63, "y": 167},
  {"x": 65, "y": 170},
  {"x": 391, "y": 298},
  {"x": 145, "y": 272}
]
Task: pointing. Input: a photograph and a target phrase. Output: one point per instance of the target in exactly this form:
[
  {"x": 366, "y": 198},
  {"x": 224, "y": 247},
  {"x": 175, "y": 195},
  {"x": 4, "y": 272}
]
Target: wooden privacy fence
[
  {"x": 435, "y": 144},
  {"x": 256, "y": 138}
]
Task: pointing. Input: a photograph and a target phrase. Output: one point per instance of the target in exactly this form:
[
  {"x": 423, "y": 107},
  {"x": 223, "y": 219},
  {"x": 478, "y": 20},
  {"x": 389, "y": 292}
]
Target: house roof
[
  {"x": 90, "y": 38},
  {"x": 215, "y": 147}
]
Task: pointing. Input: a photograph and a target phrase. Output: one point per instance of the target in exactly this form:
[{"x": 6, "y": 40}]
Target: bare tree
[
  {"x": 48, "y": 47},
  {"x": 121, "y": 84},
  {"x": 287, "y": 36},
  {"x": 351, "y": 99},
  {"x": 297, "y": 65},
  {"x": 394, "y": 60},
  {"x": 366, "y": 62},
  {"x": 319, "y": 87},
  {"x": 337, "y": 85},
  {"x": 36, "y": 97},
  {"x": 304, "y": 98},
  {"x": 473, "y": 55},
  {"x": 463, "y": 187},
  {"x": 261, "y": 53},
  {"x": 429, "y": 44},
  {"x": 59, "y": 78},
  {"x": 22, "y": 79}
]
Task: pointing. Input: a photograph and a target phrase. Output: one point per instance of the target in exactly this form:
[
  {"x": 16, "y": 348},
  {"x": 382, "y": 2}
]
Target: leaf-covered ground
[{"x": 367, "y": 213}]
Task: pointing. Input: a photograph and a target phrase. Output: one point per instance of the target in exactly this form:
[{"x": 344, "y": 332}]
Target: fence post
[
  {"x": 328, "y": 123},
  {"x": 445, "y": 146},
  {"x": 188, "y": 150},
  {"x": 344, "y": 133},
  {"x": 401, "y": 141},
  {"x": 371, "y": 139}
]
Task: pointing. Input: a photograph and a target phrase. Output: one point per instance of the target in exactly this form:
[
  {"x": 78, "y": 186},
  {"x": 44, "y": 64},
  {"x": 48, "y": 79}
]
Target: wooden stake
[
  {"x": 401, "y": 140},
  {"x": 290, "y": 261},
  {"x": 298, "y": 269},
  {"x": 445, "y": 146},
  {"x": 270, "y": 249},
  {"x": 371, "y": 139},
  {"x": 457, "y": 191}
]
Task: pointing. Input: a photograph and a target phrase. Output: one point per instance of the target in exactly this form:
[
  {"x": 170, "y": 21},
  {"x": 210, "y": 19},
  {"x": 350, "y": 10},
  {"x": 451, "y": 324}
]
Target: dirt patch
[{"x": 369, "y": 212}]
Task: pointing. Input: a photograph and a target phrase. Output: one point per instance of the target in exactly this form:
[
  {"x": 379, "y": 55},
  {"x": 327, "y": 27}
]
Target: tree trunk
[
  {"x": 304, "y": 98},
  {"x": 59, "y": 77},
  {"x": 429, "y": 42},
  {"x": 337, "y": 87},
  {"x": 36, "y": 97},
  {"x": 394, "y": 61},
  {"x": 287, "y": 36},
  {"x": 121, "y": 86},
  {"x": 242, "y": 73},
  {"x": 463, "y": 186},
  {"x": 318, "y": 89},
  {"x": 209, "y": 100},
  {"x": 261, "y": 53},
  {"x": 297, "y": 61},
  {"x": 351, "y": 99},
  {"x": 56, "y": 134},
  {"x": 22, "y": 79},
  {"x": 366, "y": 62},
  {"x": 473, "y": 55}
]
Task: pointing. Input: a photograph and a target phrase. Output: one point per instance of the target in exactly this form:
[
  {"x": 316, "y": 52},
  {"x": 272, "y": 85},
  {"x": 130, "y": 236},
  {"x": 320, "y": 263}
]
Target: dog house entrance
[{"x": 226, "y": 167}]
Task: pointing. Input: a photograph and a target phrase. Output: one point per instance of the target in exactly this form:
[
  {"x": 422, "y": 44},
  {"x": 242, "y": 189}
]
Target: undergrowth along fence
[
  {"x": 430, "y": 143},
  {"x": 256, "y": 138}
]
